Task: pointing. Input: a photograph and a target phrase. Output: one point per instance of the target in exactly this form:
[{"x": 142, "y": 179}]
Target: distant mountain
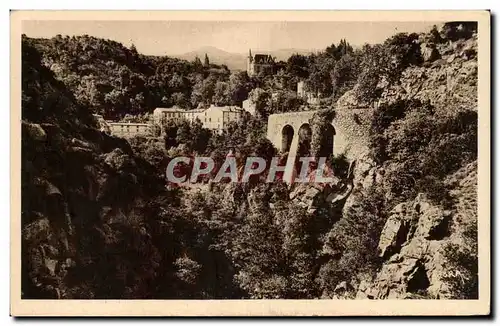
[
  {"x": 284, "y": 54},
  {"x": 233, "y": 61},
  {"x": 236, "y": 61}
]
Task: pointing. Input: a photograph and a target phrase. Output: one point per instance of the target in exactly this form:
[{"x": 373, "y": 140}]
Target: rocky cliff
[
  {"x": 426, "y": 248},
  {"x": 78, "y": 187}
]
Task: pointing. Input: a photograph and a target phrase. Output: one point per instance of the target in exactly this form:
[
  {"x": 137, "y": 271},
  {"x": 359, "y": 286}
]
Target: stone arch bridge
[
  {"x": 348, "y": 133},
  {"x": 288, "y": 130}
]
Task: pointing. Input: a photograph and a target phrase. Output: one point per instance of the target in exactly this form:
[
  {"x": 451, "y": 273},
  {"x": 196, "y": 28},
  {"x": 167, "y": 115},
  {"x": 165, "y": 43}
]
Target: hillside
[
  {"x": 113, "y": 80},
  {"x": 77, "y": 184},
  {"x": 424, "y": 137}
]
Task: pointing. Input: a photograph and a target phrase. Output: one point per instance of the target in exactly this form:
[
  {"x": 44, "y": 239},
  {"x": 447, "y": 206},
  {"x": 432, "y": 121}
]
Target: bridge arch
[
  {"x": 304, "y": 141},
  {"x": 330, "y": 141},
  {"x": 287, "y": 134},
  {"x": 326, "y": 142}
]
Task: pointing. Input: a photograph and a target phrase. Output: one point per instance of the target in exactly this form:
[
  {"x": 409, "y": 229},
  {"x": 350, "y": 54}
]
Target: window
[{"x": 209, "y": 119}]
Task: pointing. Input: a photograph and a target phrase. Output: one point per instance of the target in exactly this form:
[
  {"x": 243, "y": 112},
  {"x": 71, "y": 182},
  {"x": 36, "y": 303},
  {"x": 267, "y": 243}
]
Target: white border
[{"x": 214, "y": 4}]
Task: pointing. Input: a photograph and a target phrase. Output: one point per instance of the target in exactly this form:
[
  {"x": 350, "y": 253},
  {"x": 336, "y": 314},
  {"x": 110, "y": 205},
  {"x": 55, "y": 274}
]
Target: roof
[
  {"x": 194, "y": 111},
  {"x": 129, "y": 124},
  {"x": 228, "y": 108},
  {"x": 263, "y": 58},
  {"x": 172, "y": 109}
]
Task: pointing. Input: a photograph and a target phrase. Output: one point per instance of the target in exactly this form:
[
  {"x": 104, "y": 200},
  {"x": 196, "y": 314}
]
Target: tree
[
  {"x": 222, "y": 96},
  {"x": 170, "y": 132},
  {"x": 201, "y": 137},
  {"x": 180, "y": 100},
  {"x": 463, "y": 277},
  {"x": 285, "y": 101},
  {"x": 297, "y": 65},
  {"x": 435, "y": 36},
  {"x": 319, "y": 81},
  {"x": 374, "y": 67},
  {"x": 206, "y": 62},
  {"x": 345, "y": 74},
  {"x": 459, "y": 30},
  {"x": 261, "y": 99},
  {"x": 203, "y": 91},
  {"x": 239, "y": 87},
  {"x": 184, "y": 134},
  {"x": 197, "y": 62},
  {"x": 340, "y": 50},
  {"x": 133, "y": 49},
  {"x": 403, "y": 51}
]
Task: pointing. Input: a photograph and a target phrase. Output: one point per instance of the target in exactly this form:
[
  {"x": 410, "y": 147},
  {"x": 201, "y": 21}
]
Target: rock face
[
  {"x": 392, "y": 237},
  {"x": 429, "y": 52},
  {"x": 78, "y": 184},
  {"x": 327, "y": 197},
  {"x": 449, "y": 78},
  {"x": 413, "y": 241},
  {"x": 410, "y": 246}
]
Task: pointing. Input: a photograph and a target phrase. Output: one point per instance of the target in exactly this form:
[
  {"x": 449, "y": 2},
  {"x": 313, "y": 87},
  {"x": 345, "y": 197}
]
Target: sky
[{"x": 178, "y": 37}]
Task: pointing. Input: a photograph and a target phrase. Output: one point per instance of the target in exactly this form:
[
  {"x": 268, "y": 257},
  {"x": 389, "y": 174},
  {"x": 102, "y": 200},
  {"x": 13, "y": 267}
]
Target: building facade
[
  {"x": 310, "y": 97},
  {"x": 192, "y": 115},
  {"x": 260, "y": 64},
  {"x": 249, "y": 106},
  {"x": 215, "y": 118},
  {"x": 129, "y": 129},
  {"x": 163, "y": 115}
]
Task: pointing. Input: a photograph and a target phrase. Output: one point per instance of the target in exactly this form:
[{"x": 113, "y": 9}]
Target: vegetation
[
  {"x": 112, "y": 80},
  {"x": 112, "y": 228}
]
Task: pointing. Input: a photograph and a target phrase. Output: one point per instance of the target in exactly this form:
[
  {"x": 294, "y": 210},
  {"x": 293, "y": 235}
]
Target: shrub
[
  {"x": 463, "y": 265},
  {"x": 454, "y": 31},
  {"x": 352, "y": 244},
  {"x": 340, "y": 165}
]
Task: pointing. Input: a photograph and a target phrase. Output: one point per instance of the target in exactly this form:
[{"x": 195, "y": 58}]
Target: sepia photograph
[{"x": 246, "y": 161}]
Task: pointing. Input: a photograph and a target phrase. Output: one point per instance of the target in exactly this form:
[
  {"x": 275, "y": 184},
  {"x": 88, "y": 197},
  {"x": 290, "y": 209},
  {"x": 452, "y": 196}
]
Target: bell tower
[{"x": 250, "y": 63}]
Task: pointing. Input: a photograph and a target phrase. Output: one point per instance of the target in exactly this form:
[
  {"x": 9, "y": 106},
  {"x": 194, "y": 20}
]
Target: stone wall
[
  {"x": 352, "y": 127},
  {"x": 127, "y": 130}
]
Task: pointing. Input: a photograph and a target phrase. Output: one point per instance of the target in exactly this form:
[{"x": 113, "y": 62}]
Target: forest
[{"x": 98, "y": 221}]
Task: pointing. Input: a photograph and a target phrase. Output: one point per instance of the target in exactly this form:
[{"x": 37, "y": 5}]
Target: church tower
[{"x": 250, "y": 63}]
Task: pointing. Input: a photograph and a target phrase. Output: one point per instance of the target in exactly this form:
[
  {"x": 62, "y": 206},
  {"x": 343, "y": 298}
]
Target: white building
[
  {"x": 192, "y": 115},
  {"x": 310, "y": 97},
  {"x": 215, "y": 118},
  {"x": 162, "y": 115},
  {"x": 129, "y": 129},
  {"x": 249, "y": 106}
]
